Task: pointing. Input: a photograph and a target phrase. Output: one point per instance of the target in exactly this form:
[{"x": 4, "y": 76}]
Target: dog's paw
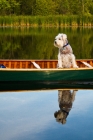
[
  {"x": 75, "y": 66},
  {"x": 60, "y": 67}
]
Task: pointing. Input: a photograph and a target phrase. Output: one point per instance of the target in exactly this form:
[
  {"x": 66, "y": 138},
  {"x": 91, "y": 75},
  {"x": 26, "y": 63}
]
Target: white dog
[
  {"x": 65, "y": 100},
  {"x": 66, "y": 58}
]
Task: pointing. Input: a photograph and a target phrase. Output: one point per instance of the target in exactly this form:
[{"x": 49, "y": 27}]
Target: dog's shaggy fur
[
  {"x": 65, "y": 100},
  {"x": 66, "y": 58}
]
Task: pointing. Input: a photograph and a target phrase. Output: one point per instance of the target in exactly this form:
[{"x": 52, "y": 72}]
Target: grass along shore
[{"x": 46, "y": 21}]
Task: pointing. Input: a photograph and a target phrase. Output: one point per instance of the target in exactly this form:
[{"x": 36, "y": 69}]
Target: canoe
[{"x": 44, "y": 74}]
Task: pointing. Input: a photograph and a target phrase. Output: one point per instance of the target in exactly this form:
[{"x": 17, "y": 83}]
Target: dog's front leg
[
  {"x": 59, "y": 95},
  {"x": 59, "y": 61},
  {"x": 74, "y": 62},
  {"x": 73, "y": 95}
]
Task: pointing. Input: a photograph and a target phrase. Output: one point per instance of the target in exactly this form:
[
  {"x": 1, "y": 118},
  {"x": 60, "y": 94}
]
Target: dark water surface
[
  {"x": 30, "y": 116},
  {"x": 37, "y": 43}
]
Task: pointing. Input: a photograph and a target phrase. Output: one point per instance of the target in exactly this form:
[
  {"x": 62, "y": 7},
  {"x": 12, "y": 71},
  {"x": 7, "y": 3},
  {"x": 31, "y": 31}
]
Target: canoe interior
[{"x": 27, "y": 64}]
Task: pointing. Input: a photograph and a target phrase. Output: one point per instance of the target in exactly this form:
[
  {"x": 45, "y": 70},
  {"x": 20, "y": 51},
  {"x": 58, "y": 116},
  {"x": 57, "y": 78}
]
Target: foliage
[
  {"x": 46, "y": 7},
  {"x": 8, "y": 7}
]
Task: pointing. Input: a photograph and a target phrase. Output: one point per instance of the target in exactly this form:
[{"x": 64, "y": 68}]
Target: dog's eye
[
  {"x": 59, "y": 38},
  {"x": 59, "y": 119}
]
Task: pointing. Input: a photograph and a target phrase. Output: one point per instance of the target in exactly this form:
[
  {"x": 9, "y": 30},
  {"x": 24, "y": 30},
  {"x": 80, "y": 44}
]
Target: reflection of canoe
[{"x": 22, "y": 75}]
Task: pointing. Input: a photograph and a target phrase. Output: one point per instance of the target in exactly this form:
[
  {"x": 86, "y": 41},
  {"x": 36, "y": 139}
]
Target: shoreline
[{"x": 46, "y": 21}]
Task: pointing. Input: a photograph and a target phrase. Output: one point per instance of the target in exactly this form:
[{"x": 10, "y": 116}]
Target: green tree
[
  {"x": 91, "y": 8},
  {"x": 75, "y": 7},
  {"x": 80, "y": 7},
  {"x": 26, "y": 7},
  {"x": 44, "y": 7},
  {"x": 86, "y": 4},
  {"x": 4, "y": 6},
  {"x": 8, "y": 7},
  {"x": 14, "y": 6},
  {"x": 63, "y": 6}
]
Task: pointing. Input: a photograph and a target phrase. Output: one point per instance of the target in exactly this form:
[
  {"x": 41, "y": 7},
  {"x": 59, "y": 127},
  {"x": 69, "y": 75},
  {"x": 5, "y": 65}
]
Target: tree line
[{"x": 46, "y": 7}]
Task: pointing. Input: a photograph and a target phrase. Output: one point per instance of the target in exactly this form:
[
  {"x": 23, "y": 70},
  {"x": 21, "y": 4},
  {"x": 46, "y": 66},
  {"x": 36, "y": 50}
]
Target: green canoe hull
[{"x": 28, "y": 79}]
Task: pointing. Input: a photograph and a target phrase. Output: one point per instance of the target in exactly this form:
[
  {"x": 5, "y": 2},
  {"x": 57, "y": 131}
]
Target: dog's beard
[{"x": 58, "y": 43}]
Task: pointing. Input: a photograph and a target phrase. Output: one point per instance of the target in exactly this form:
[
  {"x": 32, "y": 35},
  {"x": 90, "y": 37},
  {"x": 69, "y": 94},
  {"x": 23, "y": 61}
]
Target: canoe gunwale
[{"x": 53, "y": 69}]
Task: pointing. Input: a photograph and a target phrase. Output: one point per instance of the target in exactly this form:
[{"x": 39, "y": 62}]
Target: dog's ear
[{"x": 64, "y": 36}]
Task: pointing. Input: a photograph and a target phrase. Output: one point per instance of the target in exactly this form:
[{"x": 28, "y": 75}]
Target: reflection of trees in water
[
  {"x": 65, "y": 100},
  {"x": 38, "y": 44}
]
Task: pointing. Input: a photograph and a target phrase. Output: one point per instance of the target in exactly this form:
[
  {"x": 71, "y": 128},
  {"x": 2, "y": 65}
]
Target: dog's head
[
  {"x": 60, "y": 116},
  {"x": 60, "y": 40}
]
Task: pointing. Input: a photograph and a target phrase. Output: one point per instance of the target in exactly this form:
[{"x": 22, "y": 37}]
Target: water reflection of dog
[{"x": 65, "y": 100}]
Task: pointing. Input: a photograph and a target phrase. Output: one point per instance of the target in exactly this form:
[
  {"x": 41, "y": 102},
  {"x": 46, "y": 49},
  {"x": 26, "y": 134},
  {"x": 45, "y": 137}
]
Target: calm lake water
[
  {"x": 37, "y": 43},
  {"x": 30, "y": 116}
]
